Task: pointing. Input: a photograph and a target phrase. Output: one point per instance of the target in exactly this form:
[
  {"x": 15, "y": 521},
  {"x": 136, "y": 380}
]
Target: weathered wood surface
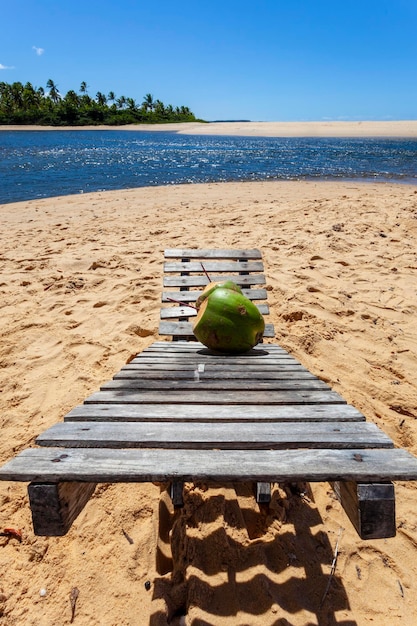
[
  {"x": 158, "y": 370},
  {"x": 263, "y": 493},
  {"x": 175, "y": 312},
  {"x": 199, "y": 384},
  {"x": 180, "y": 347},
  {"x": 186, "y": 328},
  {"x": 166, "y": 412},
  {"x": 193, "y": 280},
  {"x": 55, "y": 506},
  {"x": 253, "y": 359},
  {"x": 212, "y": 374},
  {"x": 191, "y": 253},
  {"x": 215, "y": 362},
  {"x": 213, "y": 266},
  {"x": 370, "y": 507},
  {"x": 250, "y": 435},
  {"x": 156, "y": 465},
  {"x": 185, "y": 277},
  {"x": 192, "y": 295},
  {"x": 196, "y": 397},
  {"x": 258, "y": 356}
]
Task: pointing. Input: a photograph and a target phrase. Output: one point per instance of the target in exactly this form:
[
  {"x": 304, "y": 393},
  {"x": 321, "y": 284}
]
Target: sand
[
  {"x": 80, "y": 286},
  {"x": 397, "y": 128}
]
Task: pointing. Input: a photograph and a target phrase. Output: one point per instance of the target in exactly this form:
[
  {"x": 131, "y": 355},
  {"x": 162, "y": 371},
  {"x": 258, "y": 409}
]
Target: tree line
[{"x": 26, "y": 104}]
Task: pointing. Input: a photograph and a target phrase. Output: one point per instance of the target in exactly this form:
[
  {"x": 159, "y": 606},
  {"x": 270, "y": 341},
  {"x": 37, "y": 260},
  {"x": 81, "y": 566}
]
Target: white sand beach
[{"x": 402, "y": 128}]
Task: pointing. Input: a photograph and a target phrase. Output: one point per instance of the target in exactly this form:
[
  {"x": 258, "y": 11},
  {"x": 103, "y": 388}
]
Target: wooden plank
[
  {"x": 158, "y": 370},
  {"x": 202, "y": 281},
  {"x": 370, "y": 507},
  {"x": 186, "y": 329},
  {"x": 213, "y": 266},
  {"x": 214, "y": 397},
  {"x": 191, "y": 253},
  {"x": 176, "y": 312},
  {"x": 183, "y": 311},
  {"x": 201, "y": 385},
  {"x": 249, "y": 435},
  {"x": 166, "y": 412},
  {"x": 260, "y": 353},
  {"x": 155, "y": 465},
  {"x": 213, "y": 374},
  {"x": 55, "y": 506},
  {"x": 191, "y": 296},
  {"x": 258, "y": 357},
  {"x": 187, "y": 347}
]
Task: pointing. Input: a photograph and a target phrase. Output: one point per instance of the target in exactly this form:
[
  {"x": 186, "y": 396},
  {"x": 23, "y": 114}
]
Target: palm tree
[
  {"x": 159, "y": 108},
  {"x": 101, "y": 98},
  {"x": 30, "y": 96},
  {"x": 83, "y": 87},
  {"x": 53, "y": 91},
  {"x": 72, "y": 98},
  {"x": 121, "y": 102},
  {"x": 131, "y": 104},
  {"x": 148, "y": 102},
  {"x": 111, "y": 96}
]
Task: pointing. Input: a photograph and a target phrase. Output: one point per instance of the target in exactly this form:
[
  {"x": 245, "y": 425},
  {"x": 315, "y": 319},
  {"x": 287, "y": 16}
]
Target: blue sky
[{"x": 232, "y": 59}]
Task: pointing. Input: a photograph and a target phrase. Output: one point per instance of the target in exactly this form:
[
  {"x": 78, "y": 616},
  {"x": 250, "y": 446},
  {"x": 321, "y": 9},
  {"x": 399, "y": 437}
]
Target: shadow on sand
[{"x": 221, "y": 556}]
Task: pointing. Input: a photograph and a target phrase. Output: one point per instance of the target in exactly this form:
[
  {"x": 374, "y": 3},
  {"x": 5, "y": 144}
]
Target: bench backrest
[{"x": 187, "y": 272}]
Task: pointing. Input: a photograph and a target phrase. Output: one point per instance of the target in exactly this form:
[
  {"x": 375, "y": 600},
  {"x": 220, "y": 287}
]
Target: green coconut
[
  {"x": 208, "y": 289},
  {"x": 228, "y": 322}
]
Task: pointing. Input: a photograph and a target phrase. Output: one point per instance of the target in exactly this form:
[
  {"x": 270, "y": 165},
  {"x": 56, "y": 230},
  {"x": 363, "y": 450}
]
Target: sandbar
[{"x": 399, "y": 128}]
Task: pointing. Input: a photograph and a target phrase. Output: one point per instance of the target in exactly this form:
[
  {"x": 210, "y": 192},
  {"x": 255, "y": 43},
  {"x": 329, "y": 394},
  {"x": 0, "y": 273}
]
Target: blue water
[{"x": 39, "y": 164}]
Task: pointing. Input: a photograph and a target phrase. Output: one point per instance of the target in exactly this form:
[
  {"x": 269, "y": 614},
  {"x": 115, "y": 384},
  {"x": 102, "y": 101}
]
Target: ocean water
[{"x": 40, "y": 164}]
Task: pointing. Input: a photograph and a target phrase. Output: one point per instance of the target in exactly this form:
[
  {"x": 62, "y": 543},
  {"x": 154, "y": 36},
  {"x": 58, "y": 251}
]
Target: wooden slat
[
  {"x": 260, "y": 355},
  {"x": 186, "y": 328},
  {"x": 185, "y": 347},
  {"x": 215, "y": 397},
  {"x": 213, "y": 266},
  {"x": 175, "y": 312},
  {"x": 214, "y": 413},
  {"x": 249, "y": 436},
  {"x": 201, "y": 281},
  {"x": 192, "y": 295},
  {"x": 200, "y": 385},
  {"x": 154, "y": 465},
  {"x": 213, "y": 374},
  {"x": 157, "y": 370},
  {"x": 191, "y": 253}
]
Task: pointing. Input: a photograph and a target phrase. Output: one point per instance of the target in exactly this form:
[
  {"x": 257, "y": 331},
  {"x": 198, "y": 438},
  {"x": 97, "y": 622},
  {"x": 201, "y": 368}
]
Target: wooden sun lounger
[{"x": 179, "y": 413}]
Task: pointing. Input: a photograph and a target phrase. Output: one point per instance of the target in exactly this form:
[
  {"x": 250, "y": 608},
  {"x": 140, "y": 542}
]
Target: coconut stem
[{"x": 205, "y": 271}]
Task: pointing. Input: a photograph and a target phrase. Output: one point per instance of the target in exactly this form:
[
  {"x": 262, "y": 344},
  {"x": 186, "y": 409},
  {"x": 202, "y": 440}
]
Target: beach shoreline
[{"x": 399, "y": 128}]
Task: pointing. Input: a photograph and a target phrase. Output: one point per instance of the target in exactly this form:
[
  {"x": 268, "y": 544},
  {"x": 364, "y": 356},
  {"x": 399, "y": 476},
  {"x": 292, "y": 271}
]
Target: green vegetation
[{"x": 26, "y": 104}]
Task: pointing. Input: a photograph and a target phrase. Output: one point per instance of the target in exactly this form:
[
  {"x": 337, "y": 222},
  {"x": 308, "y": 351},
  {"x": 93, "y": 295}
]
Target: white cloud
[
  {"x": 6, "y": 67},
  {"x": 39, "y": 51}
]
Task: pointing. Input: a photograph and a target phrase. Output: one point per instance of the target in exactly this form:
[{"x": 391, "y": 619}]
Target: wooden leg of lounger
[
  {"x": 369, "y": 506},
  {"x": 263, "y": 493},
  {"x": 176, "y": 492},
  {"x": 55, "y": 506}
]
